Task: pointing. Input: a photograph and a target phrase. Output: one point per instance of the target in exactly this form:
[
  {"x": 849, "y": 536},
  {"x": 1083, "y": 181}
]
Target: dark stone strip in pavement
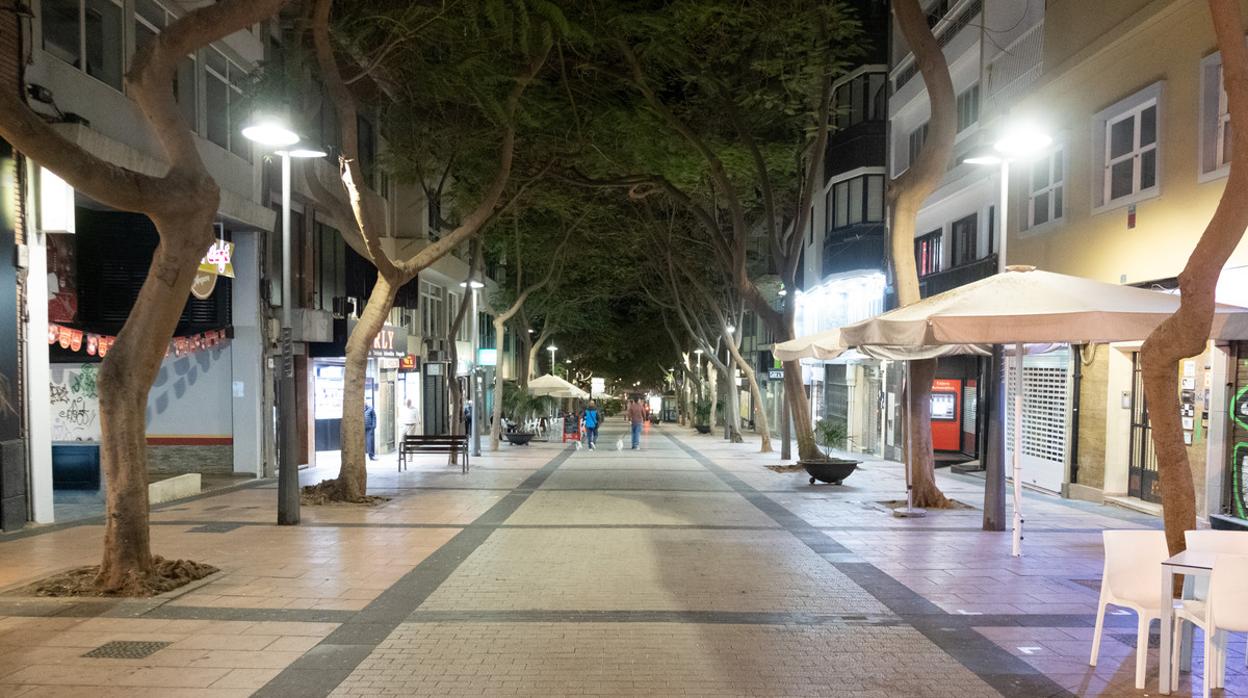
[
  {"x": 1010, "y": 675},
  {"x": 290, "y": 615},
  {"x": 952, "y": 529},
  {"x": 319, "y": 671},
  {"x": 232, "y": 525},
  {"x": 39, "y": 530},
  {"x": 62, "y": 608},
  {"x": 811, "y": 536},
  {"x": 680, "y": 617}
]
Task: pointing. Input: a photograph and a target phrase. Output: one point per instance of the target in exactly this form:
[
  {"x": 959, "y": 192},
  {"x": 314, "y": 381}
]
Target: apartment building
[
  {"x": 1131, "y": 91},
  {"x": 993, "y": 49}
]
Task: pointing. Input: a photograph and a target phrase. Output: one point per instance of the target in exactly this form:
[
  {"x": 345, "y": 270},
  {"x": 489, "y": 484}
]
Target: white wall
[
  {"x": 191, "y": 395},
  {"x": 247, "y": 356},
  {"x": 38, "y": 403}
]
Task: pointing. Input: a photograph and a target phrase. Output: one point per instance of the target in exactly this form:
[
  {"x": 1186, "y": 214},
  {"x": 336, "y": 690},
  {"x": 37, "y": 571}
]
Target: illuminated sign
[
  {"x": 219, "y": 260},
  {"x": 487, "y": 357},
  {"x": 407, "y": 362}
]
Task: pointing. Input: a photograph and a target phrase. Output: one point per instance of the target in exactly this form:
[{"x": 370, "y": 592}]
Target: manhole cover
[{"x": 126, "y": 649}]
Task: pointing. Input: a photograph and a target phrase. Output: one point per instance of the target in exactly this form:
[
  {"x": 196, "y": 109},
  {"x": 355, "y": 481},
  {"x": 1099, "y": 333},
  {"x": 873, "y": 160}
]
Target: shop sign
[
  {"x": 407, "y": 362},
  {"x": 487, "y": 357},
  {"x": 219, "y": 260},
  {"x": 775, "y": 374},
  {"x": 434, "y": 368},
  {"x": 390, "y": 342}
]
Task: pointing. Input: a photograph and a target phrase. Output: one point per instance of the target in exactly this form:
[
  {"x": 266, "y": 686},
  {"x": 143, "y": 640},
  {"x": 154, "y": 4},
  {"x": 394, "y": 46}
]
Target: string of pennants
[{"x": 99, "y": 344}]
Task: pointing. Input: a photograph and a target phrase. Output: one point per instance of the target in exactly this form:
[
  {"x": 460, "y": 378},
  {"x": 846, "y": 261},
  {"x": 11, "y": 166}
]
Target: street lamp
[
  {"x": 474, "y": 384},
  {"x": 273, "y": 133},
  {"x": 552, "y": 348},
  {"x": 1018, "y": 143}
]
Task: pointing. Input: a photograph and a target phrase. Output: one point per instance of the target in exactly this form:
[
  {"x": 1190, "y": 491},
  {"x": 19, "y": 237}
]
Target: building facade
[
  {"x": 1131, "y": 91},
  {"x": 211, "y": 410}
]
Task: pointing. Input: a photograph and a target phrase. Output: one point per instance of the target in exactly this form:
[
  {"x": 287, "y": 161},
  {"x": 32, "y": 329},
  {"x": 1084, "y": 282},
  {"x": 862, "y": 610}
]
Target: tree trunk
[
  {"x": 712, "y": 389},
  {"x": 1185, "y": 334},
  {"x": 760, "y": 411},
  {"x": 734, "y": 408},
  {"x": 906, "y": 195},
  {"x": 125, "y": 377},
  {"x": 923, "y": 480},
  {"x": 496, "y": 426},
  {"x": 351, "y": 485}
]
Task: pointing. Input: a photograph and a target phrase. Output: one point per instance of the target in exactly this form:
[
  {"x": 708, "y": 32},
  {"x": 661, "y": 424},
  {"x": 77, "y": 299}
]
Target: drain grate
[{"x": 126, "y": 649}]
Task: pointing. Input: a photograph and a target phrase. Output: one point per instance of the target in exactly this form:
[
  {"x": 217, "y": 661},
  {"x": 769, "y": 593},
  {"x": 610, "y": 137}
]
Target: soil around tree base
[
  {"x": 329, "y": 492},
  {"x": 82, "y": 581},
  {"x": 794, "y": 468},
  {"x": 949, "y": 504}
]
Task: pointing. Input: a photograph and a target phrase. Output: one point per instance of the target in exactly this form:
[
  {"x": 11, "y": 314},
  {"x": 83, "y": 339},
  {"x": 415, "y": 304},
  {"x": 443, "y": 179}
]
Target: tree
[
  {"x": 906, "y": 194},
  {"x": 1185, "y": 334},
  {"x": 366, "y": 208},
  {"x": 711, "y": 312},
  {"x": 182, "y": 204},
  {"x": 504, "y": 316},
  {"x": 731, "y": 122},
  {"x": 465, "y": 302}
]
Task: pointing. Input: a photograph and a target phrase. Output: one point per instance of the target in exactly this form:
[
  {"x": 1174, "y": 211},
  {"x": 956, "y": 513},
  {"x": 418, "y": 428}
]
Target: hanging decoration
[{"x": 99, "y": 344}]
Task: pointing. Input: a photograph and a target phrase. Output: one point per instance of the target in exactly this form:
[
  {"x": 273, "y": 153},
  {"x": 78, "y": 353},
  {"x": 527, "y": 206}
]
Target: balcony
[
  {"x": 854, "y": 248},
  {"x": 947, "y": 279},
  {"x": 864, "y": 144}
]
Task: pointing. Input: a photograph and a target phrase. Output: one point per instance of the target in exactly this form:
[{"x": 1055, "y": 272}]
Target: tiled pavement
[{"x": 683, "y": 569}]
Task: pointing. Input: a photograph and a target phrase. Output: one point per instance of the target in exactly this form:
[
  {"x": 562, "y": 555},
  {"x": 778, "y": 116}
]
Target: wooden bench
[{"x": 454, "y": 444}]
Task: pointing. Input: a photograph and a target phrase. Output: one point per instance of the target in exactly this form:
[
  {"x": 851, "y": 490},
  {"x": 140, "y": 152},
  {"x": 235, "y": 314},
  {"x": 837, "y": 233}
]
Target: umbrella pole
[{"x": 1018, "y": 451}]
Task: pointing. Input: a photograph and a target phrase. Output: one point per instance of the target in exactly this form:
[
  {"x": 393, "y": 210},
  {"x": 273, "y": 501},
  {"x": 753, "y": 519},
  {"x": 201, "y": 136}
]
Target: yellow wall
[{"x": 1137, "y": 43}]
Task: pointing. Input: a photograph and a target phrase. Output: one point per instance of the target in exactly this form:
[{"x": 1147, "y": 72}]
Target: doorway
[{"x": 1142, "y": 479}]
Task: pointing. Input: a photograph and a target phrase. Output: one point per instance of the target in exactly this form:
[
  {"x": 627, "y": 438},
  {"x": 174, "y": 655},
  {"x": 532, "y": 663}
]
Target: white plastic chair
[
  {"x": 1221, "y": 543},
  {"x": 1131, "y": 580},
  {"x": 1222, "y": 613}
]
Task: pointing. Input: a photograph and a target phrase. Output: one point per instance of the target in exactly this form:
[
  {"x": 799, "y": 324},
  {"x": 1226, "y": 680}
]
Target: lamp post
[
  {"x": 272, "y": 133},
  {"x": 552, "y": 349},
  {"x": 1019, "y": 143},
  {"x": 474, "y": 382}
]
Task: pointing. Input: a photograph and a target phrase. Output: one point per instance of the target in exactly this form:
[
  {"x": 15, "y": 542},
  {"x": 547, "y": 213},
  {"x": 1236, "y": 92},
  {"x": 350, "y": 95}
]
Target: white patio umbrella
[
  {"x": 830, "y": 345},
  {"x": 553, "y": 386},
  {"x": 1024, "y": 306}
]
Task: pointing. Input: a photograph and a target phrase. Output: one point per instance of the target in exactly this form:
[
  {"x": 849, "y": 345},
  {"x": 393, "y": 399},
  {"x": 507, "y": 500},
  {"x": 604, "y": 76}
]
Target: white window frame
[
  {"x": 169, "y": 17},
  {"x": 1058, "y": 154},
  {"x": 1214, "y": 120},
  {"x": 432, "y": 311},
  {"x": 967, "y": 99},
  {"x": 1102, "y": 123},
  {"x": 82, "y": 42}
]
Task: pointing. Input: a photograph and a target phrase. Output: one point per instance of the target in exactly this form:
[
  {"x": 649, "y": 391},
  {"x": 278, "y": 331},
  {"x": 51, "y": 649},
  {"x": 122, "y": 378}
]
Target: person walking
[
  {"x": 593, "y": 419},
  {"x": 412, "y": 419},
  {"x": 636, "y": 416},
  {"x": 370, "y": 431}
]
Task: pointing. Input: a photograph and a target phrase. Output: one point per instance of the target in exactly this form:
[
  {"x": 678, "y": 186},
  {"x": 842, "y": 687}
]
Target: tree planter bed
[{"x": 831, "y": 471}]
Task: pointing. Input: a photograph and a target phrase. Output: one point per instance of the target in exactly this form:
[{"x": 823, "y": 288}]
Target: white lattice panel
[{"x": 1046, "y": 416}]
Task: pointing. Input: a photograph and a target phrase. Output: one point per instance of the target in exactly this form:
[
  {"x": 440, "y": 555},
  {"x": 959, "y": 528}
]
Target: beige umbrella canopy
[
  {"x": 1026, "y": 305},
  {"x": 830, "y": 345},
  {"x": 554, "y": 386}
]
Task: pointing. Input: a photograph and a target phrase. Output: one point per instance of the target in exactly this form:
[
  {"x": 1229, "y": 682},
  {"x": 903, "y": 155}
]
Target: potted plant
[
  {"x": 702, "y": 415},
  {"x": 830, "y": 435},
  {"x": 519, "y": 406}
]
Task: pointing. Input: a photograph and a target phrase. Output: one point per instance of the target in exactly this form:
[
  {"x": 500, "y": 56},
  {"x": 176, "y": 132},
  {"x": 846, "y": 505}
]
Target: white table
[{"x": 1190, "y": 563}]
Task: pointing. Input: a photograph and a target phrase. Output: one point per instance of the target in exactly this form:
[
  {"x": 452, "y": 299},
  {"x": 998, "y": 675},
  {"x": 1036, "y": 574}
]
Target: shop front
[{"x": 386, "y": 390}]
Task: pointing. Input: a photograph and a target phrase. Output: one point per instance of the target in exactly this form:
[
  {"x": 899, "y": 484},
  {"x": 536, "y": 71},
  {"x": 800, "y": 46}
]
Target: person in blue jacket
[{"x": 593, "y": 420}]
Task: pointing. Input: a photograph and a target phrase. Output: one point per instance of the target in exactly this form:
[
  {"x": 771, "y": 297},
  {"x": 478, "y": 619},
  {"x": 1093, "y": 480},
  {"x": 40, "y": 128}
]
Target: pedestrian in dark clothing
[
  {"x": 637, "y": 416},
  {"x": 370, "y": 431}
]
